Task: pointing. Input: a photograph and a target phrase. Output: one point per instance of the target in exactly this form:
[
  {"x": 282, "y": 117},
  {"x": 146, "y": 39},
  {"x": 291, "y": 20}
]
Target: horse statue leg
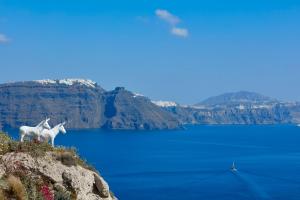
[
  {"x": 22, "y": 135},
  {"x": 22, "y": 138},
  {"x": 52, "y": 141}
]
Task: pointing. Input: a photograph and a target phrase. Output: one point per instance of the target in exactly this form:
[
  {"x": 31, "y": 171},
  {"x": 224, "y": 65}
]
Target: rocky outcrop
[
  {"x": 46, "y": 169},
  {"x": 124, "y": 110},
  {"x": 76, "y": 178}
]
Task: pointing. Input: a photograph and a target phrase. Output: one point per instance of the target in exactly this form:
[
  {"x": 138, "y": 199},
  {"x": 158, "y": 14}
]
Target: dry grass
[
  {"x": 27, "y": 188},
  {"x": 69, "y": 157},
  {"x": 16, "y": 187},
  {"x": 66, "y": 158},
  {"x": 2, "y": 196}
]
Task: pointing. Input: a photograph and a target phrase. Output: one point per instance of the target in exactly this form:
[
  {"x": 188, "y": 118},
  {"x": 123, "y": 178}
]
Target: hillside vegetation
[{"x": 37, "y": 171}]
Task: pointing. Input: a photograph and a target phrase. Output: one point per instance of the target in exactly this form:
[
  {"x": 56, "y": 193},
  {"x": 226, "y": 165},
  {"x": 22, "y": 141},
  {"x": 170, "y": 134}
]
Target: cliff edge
[
  {"x": 31, "y": 171},
  {"x": 83, "y": 104}
]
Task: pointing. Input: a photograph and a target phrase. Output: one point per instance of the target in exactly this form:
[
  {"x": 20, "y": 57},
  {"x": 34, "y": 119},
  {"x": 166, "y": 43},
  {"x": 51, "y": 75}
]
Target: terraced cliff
[
  {"x": 238, "y": 108},
  {"x": 277, "y": 114},
  {"x": 82, "y": 104}
]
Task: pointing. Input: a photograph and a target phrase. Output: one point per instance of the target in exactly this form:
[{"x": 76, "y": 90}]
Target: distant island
[
  {"x": 238, "y": 108},
  {"x": 84, "y": 104}
]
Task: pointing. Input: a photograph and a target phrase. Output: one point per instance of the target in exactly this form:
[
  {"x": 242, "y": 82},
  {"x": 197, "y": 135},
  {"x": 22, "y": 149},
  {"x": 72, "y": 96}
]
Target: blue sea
[{"x": 195, "y": 163}]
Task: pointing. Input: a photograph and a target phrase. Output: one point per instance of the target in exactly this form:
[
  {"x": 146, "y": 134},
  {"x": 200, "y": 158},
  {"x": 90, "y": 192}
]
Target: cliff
[
  {"x": 237, "y": 108},
  {"x": 37, "y": 171},
  {"x": 31, "y": 101},
  {"x": 82, "y": 103},
  {"x": 277, "y": 114},
  {"x": 125, "y": 110}
]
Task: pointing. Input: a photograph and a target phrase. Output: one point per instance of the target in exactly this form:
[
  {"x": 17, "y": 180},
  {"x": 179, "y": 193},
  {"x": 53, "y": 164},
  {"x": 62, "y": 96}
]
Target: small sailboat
[{"x": 233, "y": 168}]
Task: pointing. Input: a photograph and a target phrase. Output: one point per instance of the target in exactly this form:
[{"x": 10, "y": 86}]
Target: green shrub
[
  {"x": 3, "y": 184},
  {"x": 62, "y": 195},
  {"x": 21, "y": 186},
  {"x": 4, "y": 143},
  {"x": 32, "y": 186},
  {"x": 34, "y": 149},
  {"x": 68, "y": 157}
]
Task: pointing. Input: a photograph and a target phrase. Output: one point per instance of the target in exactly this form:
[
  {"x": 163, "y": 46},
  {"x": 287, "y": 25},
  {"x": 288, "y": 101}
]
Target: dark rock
[{"x": 125, "y": 111}]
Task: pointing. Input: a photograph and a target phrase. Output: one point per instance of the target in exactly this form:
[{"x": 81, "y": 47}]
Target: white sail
[{"x": 233, "y": 168}]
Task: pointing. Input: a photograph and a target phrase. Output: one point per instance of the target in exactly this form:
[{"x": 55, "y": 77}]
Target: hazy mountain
[{"x": 242, "y": 97}]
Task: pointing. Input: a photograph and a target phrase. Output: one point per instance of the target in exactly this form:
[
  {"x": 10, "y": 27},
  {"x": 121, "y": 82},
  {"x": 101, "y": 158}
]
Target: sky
[{"x": 184, "y": 51}]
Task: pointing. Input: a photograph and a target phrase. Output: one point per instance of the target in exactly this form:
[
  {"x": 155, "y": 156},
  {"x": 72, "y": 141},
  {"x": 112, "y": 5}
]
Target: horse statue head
[
  {"x": 45, "y": 124},
  {"x": 61, "y": 128}
]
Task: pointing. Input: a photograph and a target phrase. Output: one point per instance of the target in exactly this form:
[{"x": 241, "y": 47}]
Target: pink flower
[{"x": 47, "y": 194}]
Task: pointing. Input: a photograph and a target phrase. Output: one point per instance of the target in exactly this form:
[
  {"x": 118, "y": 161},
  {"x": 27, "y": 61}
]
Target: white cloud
[
  {"x": 3, "y": 38},
  {"x": 181, "y": 32},
  {"x": 172, "y": 20},
  {"x": 167, "y": 16}
]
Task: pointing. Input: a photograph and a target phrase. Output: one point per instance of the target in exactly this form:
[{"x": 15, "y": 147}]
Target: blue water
[{"x": 194, "y": 163}]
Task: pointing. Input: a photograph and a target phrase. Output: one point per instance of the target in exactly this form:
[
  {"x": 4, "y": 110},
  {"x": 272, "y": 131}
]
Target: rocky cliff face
[
  {"x": 238, "y": 108},
  {"x": 233, "y": 115},
  {"x": 82, "y": 103},
  {"x": 125, "y": 110},
  {"x": 37, "y": 171},
  {"x": 29, "y": 102}
]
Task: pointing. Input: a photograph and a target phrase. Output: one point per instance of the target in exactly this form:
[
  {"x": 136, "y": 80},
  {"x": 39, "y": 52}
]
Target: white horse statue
[
  {"x": 34, "y": 131},
  {"x": 52, "y": 133}
]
